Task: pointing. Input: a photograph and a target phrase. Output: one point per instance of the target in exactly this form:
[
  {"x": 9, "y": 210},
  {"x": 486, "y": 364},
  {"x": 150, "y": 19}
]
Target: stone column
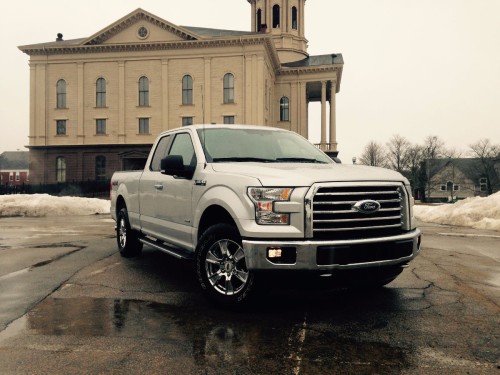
[
  {"x": 207, "y": 100},
  {"x": 121, "y": 102},
  {"x": 333, "y": 122},
  {"x": 164, "y": 88},
  {"x": 80, "y": 128},
  {"x": 323, "y": 113}
]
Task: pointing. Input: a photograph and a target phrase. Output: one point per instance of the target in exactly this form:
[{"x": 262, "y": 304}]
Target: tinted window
[
  {"x": 183, "y": 146},
  {"x": 160, "y": 153}
]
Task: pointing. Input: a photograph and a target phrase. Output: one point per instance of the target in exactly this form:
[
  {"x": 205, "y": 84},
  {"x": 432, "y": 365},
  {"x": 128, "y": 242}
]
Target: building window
[
  {"x": 284, "y": 109},
  {"x": 187, "y": 121},
  {"x": 100, "y": 168},
  {"x": 18, "y": 177},
  {"x": 11, "y": 177},
  {"x": 100, "y": 93},
  {"x": 483, "y": 184},
  {"x": 187, "y": 90},
  {"x": 259, "y": 20},
  {"x": 276, "y": 16},
  {"x": 61, "y": 93},
  {"x": 61, "y": 127},
  {"x": 100, "y": 126},
  {"x": 442, "y": 187},
  {"x": 144, "y": 126},
  {"x": 294, "y": 18},
  {"x": 456, "y": 187},
  {"x": 61, "y": 169},
  {"x": 228, "y": 119},
  {"x": 143, "y": 92},
  {"x": 228, "y": 88}
]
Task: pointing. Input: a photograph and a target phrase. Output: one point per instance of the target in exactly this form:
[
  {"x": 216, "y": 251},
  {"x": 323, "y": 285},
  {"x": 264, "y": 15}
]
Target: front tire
[
  {"x": 221, "y": 267},
  {"x": 127, "y": 239}
]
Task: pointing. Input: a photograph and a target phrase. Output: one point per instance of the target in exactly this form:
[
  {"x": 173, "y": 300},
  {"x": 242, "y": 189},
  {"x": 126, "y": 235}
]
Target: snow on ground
[
  {"x": 38, "y": 205},
  {"x": 479, "y": 213}
]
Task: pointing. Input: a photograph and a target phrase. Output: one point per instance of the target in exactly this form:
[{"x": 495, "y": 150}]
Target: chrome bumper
[{"x": 306, "y": 253}]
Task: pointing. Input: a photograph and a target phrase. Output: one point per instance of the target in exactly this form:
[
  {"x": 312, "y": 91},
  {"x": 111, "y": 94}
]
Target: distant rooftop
[{"x": 14, "y": 160}]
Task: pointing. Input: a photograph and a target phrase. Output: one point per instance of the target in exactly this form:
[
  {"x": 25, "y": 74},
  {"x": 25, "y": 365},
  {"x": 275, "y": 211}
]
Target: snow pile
[
  {"x": 38, "y": 205},
  {"x": 478, "y": 213}
]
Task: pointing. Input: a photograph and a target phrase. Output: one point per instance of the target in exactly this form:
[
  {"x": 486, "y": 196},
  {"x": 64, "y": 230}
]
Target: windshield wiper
[
  {"x": 299, "y": 160},
  {"x": 243, "y": 159}
]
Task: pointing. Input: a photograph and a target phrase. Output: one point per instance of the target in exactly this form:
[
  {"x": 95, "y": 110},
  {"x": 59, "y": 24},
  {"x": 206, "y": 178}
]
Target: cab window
[{"x": 160, "y": 153}]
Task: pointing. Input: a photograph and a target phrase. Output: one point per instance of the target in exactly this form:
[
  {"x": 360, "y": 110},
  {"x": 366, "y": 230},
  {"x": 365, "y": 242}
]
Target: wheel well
[
  {"x": 120, "y": 203},
  {"x": 214, "y": 215}
]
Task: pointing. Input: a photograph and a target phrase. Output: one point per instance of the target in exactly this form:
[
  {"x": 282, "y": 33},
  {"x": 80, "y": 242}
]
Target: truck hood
[{"x": 301, "y": 174}]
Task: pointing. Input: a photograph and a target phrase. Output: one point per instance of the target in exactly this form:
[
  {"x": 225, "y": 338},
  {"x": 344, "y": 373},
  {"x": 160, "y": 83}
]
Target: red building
[{"x": 14, "y": 168}]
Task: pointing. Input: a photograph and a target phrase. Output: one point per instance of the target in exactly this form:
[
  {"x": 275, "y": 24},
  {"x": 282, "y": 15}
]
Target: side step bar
[{"x": 170, "y": 250}]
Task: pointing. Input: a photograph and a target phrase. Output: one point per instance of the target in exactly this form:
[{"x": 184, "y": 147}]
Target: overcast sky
[{"x": 414, "y": 68}]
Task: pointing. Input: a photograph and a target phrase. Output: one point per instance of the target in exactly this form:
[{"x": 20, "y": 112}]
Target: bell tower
[{"x": 284, "y": 20}]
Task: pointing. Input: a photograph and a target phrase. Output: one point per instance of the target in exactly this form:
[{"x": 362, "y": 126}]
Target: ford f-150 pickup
[{"x": 242, "y": 200}]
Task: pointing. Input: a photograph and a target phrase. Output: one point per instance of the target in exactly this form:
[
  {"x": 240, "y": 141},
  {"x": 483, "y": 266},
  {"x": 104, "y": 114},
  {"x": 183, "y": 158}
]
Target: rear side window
[{"x": 160, "y": 153}]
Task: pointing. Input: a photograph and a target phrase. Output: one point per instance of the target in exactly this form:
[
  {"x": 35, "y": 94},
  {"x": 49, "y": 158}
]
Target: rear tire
[
  {"x": 221, "y": 266},
  {"x": 127, "y": 239}
]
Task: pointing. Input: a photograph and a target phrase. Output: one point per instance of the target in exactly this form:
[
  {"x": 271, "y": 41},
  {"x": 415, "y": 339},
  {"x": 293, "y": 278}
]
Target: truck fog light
[
  {"x": 273, "y": 252},
  {"x": 281, "y": 255}
]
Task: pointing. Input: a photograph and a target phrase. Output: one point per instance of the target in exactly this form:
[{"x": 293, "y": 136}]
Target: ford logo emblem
[{"x": 367, "y": 206}]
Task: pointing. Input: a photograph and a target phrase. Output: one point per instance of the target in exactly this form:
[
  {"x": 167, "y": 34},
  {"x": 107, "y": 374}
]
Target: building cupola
[{"x": 284, "y": 20}]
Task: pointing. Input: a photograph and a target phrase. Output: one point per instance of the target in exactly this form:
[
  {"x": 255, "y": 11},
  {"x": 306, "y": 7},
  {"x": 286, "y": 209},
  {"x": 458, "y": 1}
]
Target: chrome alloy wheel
[
  {"x": 122, "y": 233},
  {"x": 225, "y": 267}
]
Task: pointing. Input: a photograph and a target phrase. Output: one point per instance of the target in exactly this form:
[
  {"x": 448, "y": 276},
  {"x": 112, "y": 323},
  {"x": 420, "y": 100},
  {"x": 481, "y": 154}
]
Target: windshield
[{"x": 258, "y": 145}]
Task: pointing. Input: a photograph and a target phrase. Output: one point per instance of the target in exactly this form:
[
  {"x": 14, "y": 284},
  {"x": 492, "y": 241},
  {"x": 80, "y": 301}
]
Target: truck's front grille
[{"x": 333, "y": 216}]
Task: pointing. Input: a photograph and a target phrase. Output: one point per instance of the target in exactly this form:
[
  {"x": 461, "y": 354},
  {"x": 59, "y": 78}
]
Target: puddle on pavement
[{"x": 212, "y": 336}]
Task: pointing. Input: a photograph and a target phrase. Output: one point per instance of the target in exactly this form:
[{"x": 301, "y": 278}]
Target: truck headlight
[{"x": 264, "y": 198}]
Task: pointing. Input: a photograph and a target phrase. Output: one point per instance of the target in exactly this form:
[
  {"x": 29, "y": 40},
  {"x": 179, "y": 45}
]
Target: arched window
[
  {"x": 284, "y": 109},
  {"x": 61, "y": 93},
  {"x": 276, "y": 16},
  {"x": 61, "y": 169},
  {"x": 259, "y": 20},
  {"x": 100, "y": 168},
  {"x": 100, "y": 92},
  {"x": 294, "y": 18},
  {"x": 187, "y": 89},
  {"x": 143, "y": 92},
  {"x": 229, "y": 88}
]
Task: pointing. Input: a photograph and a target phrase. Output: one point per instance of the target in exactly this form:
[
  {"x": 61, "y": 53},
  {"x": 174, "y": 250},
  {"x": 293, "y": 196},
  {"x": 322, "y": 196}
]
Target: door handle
[{"x": 159, "y": 187}]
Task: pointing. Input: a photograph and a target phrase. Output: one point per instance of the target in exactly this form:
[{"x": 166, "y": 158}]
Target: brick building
[
  {"x": 14, "y": 168},
  {"x": 98, "y": 103}
]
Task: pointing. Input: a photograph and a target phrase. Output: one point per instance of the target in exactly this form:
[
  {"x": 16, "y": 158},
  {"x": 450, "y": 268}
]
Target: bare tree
[
  {"x": 433, "y": 147},
  {"x": 397, "y": 154},
  {"x": 486, "y": 152},
  {"x": 374, "y": 154}
]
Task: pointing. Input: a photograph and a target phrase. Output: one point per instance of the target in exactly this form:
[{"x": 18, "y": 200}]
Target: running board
[{"x": 170, "y": 250}]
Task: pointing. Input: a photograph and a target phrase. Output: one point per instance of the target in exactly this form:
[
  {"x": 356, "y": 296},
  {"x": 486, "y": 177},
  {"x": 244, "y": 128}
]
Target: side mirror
[{"x": 173, "y": 165}]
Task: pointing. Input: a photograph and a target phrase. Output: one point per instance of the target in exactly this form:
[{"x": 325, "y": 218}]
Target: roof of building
[
  {"x": 18, "y": 160},
  {"x": 472, "y": 168},
  {"x": 316, "y": 61},
  {"x": 204, "y": 31}
]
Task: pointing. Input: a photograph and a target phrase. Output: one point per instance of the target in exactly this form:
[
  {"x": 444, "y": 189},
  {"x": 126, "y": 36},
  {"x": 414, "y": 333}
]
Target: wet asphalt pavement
[{"x": 70, "y": 304}]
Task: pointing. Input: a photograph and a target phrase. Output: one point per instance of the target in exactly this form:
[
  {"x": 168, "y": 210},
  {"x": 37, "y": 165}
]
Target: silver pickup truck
[{"x": 243, "y": 200}]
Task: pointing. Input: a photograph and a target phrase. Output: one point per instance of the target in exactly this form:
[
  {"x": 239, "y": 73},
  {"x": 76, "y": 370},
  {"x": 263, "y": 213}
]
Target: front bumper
[{"x": 329, "y": 255}]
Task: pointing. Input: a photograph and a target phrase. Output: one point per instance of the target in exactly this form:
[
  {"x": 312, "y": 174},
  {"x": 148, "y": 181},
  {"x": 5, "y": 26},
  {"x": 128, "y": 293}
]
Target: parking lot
[{"x": 70, "y": 304}]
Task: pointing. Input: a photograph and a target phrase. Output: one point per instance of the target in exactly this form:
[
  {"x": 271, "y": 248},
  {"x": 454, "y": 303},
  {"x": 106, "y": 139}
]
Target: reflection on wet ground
[{"x": 214, "y": 338}]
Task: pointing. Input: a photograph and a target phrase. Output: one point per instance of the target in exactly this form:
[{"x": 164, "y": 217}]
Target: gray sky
[{"x": 414, "y": 68}]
